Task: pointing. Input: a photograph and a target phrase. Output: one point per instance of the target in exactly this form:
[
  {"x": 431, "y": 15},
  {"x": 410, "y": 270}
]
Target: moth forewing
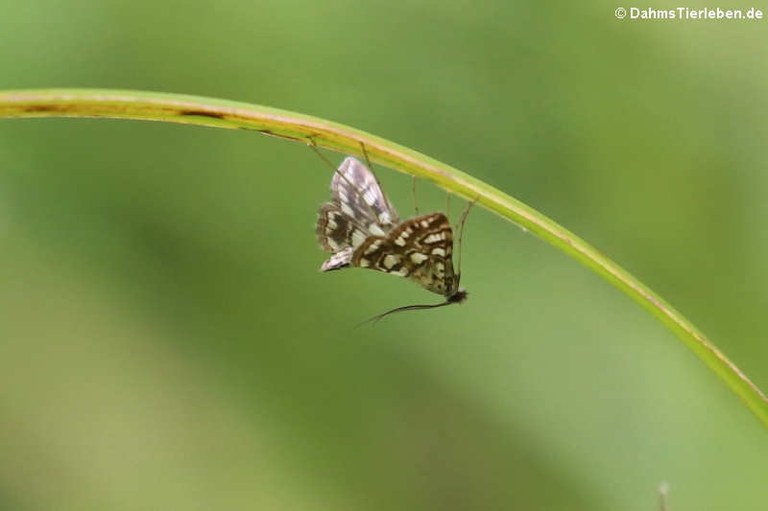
[{"x": 419, "y": 248}]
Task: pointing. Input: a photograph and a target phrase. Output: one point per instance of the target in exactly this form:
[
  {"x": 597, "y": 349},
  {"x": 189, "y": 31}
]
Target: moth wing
[
  {"x": 420, "y": 249},
  {"x": 338, "y": 260},
  {"x": 358, "y": 194},
  {"x": 358, "y": 210},
  {"x": 337, "y": 231}
]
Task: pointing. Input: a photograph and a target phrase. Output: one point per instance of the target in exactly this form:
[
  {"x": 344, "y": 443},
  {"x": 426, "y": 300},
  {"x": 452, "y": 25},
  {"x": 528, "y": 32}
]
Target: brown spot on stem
[
  {"x": 202, "y": 113},
  {"x": 46, "y": 108}
]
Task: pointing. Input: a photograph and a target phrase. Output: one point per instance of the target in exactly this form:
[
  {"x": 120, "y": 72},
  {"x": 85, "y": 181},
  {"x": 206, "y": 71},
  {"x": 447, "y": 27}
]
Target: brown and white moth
[{"x": 360, "y": 228}]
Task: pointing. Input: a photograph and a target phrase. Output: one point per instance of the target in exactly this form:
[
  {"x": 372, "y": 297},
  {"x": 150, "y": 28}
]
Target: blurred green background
[{"x": 166, "y": 339}]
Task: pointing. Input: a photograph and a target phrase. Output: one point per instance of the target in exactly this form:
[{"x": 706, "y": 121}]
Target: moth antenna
[
  {"x": 375, "y": 319},
  {"x": 461, "y": 236}
]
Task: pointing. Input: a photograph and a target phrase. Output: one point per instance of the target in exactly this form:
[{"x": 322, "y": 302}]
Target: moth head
[{"x": 459, "y": 296}]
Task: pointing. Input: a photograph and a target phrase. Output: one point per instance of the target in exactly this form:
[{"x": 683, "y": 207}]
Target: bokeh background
[{"x": 166, "y": 339}]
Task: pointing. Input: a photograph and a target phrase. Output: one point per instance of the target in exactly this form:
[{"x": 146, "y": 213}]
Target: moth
[{"x": 360, "y": 228}]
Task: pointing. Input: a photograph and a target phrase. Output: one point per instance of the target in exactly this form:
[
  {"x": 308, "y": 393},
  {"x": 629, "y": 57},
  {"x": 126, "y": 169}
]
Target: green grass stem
[{"x": 200, "y": 111}]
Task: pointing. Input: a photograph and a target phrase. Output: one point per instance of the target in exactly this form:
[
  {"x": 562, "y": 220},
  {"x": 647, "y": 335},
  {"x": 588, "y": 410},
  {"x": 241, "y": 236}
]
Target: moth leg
[
  {"x": 415, "y": 197},
  {"x": 461, "y": 234},
  {"x": 313, "y": 145}
]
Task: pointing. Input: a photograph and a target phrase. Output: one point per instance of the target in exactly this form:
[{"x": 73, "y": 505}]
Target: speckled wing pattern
[
  {"x": 360, "y": 228},
  {"x": 358, "y": 209},
  {"x": 419, "y": 248}
]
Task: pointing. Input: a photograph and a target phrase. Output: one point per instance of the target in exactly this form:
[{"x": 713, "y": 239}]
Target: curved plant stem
[{"x": 200, "y": 111}]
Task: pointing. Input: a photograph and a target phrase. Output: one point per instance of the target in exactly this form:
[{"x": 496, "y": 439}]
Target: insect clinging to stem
[{"x": 360, "y": 228}]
